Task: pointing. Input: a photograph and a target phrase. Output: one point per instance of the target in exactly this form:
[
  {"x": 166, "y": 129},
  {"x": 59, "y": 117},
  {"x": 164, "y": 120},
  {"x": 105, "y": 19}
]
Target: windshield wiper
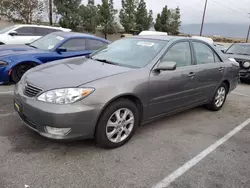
[
  {"x": 105, "y": 61},
  {"x": 229, "y": 53}
]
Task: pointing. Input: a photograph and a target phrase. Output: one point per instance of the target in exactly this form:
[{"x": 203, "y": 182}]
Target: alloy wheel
[{"x": 120, "y": 125}]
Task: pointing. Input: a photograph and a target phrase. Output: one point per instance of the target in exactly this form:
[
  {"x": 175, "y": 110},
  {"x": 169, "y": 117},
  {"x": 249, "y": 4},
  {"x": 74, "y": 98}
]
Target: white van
[{"x": 153, "y": 33}]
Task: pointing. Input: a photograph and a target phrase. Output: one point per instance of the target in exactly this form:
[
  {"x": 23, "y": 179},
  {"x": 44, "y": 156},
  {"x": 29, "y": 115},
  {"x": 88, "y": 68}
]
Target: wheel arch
[
  {"x": 133, "y": 98},
  {"x": 18, "y": 63},
  {"x": 228, "y": 84}
]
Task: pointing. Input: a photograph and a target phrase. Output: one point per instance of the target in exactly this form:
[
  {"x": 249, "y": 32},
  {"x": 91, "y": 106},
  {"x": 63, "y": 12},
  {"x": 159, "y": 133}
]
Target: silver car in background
[{"x": 107, "y": 95}]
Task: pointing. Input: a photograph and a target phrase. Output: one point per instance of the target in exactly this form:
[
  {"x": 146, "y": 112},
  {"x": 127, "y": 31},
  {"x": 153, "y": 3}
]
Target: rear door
[
  {"x": 210, "y": 68},
  {"x": 171, "y": 91}
]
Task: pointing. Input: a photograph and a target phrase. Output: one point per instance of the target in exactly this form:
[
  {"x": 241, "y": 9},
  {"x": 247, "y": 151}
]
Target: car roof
[
  {"x": 42, "y": 26},
  {"x": 243, "y": 44},
  {"x": 75, "y": 34},
  {"x": 160, "y": 37}
]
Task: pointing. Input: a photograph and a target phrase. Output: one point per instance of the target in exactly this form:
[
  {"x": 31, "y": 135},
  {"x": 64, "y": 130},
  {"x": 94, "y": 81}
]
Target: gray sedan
[{"x": 107, "y": 95}]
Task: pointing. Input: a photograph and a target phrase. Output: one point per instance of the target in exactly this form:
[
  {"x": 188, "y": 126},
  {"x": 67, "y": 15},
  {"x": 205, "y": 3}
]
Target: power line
[{"x": 228, "y": 8}]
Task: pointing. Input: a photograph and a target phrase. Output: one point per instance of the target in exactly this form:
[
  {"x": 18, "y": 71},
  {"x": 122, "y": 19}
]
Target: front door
[{"x": 170, "y": 91}]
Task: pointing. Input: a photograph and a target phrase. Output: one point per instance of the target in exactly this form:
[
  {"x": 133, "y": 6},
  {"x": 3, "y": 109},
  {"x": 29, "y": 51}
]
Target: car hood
[
  {"x": 71, "y": 72},
  {"x": 241, "y": 57},
  {"x": 10, "y": 50}
]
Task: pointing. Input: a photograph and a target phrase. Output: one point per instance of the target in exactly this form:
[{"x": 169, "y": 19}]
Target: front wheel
[
  {"x": 117, "y": 124},
  {"x": 219, "y": 98},
  {"x": 19, "y": 70}
]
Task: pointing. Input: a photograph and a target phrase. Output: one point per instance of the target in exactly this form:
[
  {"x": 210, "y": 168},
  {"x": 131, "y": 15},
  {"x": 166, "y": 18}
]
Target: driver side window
[{"x": 179, "y": 53}]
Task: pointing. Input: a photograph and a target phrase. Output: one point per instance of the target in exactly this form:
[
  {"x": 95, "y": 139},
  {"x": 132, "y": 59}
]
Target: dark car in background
[
  {"x": 128, "y": 82},
  {"x": 240, "y": 52},
  {"x": 15, "y": 60}
]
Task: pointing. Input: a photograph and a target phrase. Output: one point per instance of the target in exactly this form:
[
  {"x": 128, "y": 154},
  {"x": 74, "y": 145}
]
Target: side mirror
[
  {"x": 12, "y": 33},
  {"x": 60, "y": 50},
  {"x": 166, "y": 65}
]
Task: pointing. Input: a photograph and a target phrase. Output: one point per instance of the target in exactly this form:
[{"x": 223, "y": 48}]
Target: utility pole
[
  {"x": 50, "y": 13},
  {"x": 203, "y": 18},
  {"x": 248, "y": 32}
]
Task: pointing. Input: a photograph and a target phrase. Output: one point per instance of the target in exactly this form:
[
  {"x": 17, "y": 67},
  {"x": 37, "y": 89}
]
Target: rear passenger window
[
  {"x": 204, "y": 54},
  {"x": 179, "y": 53},
  {"x": 94, "y": 44},
  {"x": 73, "y": 45},
  {"x": 44, "y": 31},
  {"x": 26, "y": 31}
]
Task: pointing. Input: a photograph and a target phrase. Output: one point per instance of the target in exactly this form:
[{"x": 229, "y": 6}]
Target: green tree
[
  {"x": 69, "y": 11},
  {"x": 89, "y": 16},
  {"x": 107, "y": 17},
  {"x": 175, "y": 21},
  {"x": 144, "y": 18},
  {"x": 165, "y": 19},
  {"x": 25, "y": 11},
  {"x": 168, "y": 21},
  {"x": 158, "y": 26},
  {"x": 128, "y": 14}
]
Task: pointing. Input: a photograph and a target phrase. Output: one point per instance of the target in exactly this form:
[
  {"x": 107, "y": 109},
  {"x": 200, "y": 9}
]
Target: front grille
[{"x": 32, "y": 91}]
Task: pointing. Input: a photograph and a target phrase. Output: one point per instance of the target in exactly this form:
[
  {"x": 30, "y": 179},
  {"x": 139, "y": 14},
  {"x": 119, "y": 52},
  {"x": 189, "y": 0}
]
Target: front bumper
[
  {"x": 244, "y": 74},
  {"x": 37, "y": 115},
  {"x": 4, "y": 77}
]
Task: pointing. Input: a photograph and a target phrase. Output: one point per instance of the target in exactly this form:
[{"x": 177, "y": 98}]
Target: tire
[
  {"x": 19, "y": 70},
  {"x": 125, "y": 127},
  {"x": 216, "y": 105}
]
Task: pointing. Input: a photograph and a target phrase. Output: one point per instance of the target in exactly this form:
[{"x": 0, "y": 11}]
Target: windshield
[
  {"x": 47, "y": 42},
  {"x": 130, "y": 52},
  {"x": 7, "y": 29},
  {"x": 239, "y": 49}
]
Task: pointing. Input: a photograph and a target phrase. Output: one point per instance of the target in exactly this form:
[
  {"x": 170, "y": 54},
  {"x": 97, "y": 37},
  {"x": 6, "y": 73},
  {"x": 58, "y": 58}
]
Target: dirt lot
[{"x": 154, "y": 153}]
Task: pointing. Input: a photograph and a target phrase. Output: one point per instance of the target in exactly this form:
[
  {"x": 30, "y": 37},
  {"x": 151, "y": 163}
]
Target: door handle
[
  {"x": 221, "y": 69},
  {"x": 191, "y": 74}
]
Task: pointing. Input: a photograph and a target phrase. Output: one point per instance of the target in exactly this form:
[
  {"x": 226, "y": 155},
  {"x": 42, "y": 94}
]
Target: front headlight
[
  {"x": 65, "y": 95},
  {"x": 3, "y": 63},
  {"x": 246, "y": 65}
]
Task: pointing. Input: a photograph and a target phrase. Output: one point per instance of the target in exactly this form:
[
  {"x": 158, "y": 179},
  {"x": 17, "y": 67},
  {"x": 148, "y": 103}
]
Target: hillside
[{"x": 220, "y": 29}]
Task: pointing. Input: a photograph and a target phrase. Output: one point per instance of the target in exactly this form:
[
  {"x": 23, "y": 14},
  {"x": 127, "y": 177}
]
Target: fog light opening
[{"x": 57, "y": 131}]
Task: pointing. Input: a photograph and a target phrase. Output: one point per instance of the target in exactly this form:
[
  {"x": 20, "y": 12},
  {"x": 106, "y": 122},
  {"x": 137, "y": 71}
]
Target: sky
[{"x": 226, "y": 11}]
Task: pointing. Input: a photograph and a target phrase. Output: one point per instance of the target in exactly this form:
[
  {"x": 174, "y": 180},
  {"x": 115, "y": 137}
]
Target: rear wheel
[
  {"x": 219, "y": 98},
  {"x": 19, "y": 70},
  {"x": 117, "y": 124}
]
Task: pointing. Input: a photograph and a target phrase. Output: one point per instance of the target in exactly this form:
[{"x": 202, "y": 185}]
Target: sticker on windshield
[
  {"x": 50, "y": 47},
  {"x": 59, "y": 38},
  {"x": 148, "y": 44}
]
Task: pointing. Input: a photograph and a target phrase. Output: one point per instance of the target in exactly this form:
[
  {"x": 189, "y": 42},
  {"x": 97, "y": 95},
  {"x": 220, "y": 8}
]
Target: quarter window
[
  {"x": 179, "y": 53},
  {"x": 75, "y": 45}
]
